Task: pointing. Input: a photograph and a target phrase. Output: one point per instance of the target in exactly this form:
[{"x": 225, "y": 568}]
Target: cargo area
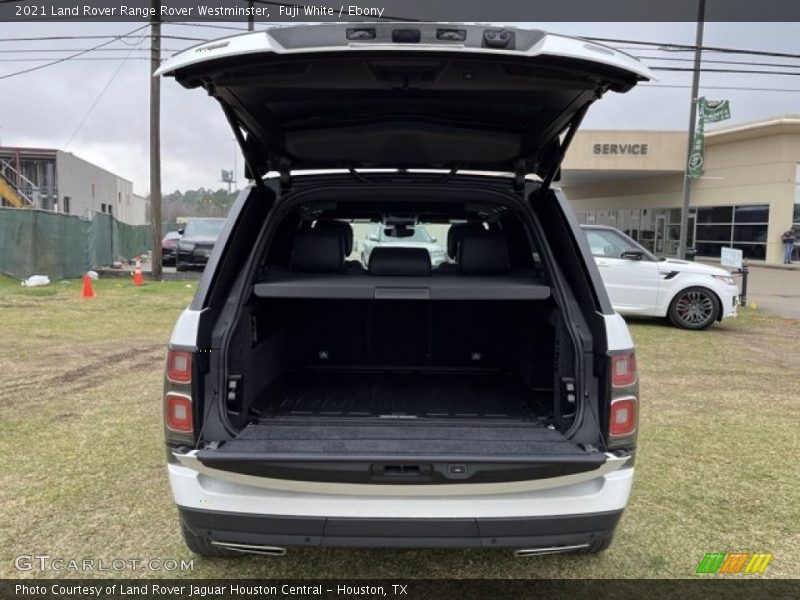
[
  {"x": 398, "y": 359},
  {"x": 403, "y": 395},
  {"x": 400, "y": 378}
]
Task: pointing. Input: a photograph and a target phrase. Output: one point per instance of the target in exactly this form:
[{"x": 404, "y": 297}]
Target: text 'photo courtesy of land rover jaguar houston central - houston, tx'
[{"x": 488, "y": 398}]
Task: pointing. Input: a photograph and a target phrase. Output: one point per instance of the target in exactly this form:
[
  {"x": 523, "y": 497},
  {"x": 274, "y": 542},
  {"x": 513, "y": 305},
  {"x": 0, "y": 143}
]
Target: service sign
[{"x": 731, "y": 257}]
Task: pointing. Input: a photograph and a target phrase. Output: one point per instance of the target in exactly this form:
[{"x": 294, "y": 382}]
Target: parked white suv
[
  {"x": 491, "y": 401},
  {"x": 692, "y": 295},
  {"x": 401, "y": 235}
]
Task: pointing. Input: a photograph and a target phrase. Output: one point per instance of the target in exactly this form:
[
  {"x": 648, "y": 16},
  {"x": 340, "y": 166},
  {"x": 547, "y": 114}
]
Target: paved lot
[{"x": 775, "y": 290}]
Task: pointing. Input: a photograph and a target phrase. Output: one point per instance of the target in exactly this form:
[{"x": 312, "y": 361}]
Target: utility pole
[
  {"x": 155, "y": 138},
  {"x": 687, "y": 182},
  {"x": 251, "y": 18}
]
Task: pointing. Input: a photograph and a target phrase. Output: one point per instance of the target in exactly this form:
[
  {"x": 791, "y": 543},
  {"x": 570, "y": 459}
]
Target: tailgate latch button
[{"x": 457, "y": 470}]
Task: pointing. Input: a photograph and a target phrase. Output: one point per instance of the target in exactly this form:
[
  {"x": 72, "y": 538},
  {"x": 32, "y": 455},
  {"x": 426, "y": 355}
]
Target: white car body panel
[
  {"x": 612, "y": 463},
  {"x": 262, "y": 41},
  {"x": 632, "y": 285},
  {"x": 619, "y": 336},
  {"x": 185, "y": 331},
  {"x": 608, "y": 492}
]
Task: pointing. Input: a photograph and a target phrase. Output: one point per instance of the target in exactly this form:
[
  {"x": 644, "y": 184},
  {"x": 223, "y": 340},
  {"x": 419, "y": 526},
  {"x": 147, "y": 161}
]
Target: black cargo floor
[
  {"x": 292, "y": 438},
  {"x": 405, "y": 394}
]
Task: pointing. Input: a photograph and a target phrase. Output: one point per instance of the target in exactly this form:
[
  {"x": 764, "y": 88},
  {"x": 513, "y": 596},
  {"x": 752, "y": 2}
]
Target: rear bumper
[
  {"x": 521, "y": 532},
  {"x": 168, "y": 254},
  {"x": 567, "y": 515},
  {"x": 191, "y": 259}
]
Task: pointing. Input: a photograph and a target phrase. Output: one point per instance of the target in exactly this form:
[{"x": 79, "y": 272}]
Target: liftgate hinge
[
  {"x": 520, "y": 171},
  {"x": 285, "y": 173}
]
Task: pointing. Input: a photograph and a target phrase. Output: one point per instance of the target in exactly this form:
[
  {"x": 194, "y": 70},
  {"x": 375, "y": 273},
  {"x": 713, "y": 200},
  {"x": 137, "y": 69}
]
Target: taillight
[
  {"x": 623, "y": 401},
  {"x": 622, "y": 416},
  {"x": 623, "y": 370},
  {"x": 178, "y": 412},
  {"x": 179, "y": 397},
  {"x": 179, "y": 366}
]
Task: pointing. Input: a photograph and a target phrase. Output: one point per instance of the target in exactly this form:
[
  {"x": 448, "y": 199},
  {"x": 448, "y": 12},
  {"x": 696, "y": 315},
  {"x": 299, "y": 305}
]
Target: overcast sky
[{"x": 45, "y": 108}]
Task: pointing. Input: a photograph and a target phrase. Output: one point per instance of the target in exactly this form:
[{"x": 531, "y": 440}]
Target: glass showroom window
[
  {"x": 743, "y": 227},
  {"x": 796, "y": 218}
]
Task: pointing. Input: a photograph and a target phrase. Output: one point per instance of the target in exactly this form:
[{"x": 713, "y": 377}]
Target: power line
[
  {"x": 717, "y": 62},
  {"x": 72, "y": 56},
  {"x": 207, "y": 26},
  {"x": 136, "y": 48},
  {"x": 730, "y": 71},
  {"x": 54, "y": 58},
  {"x": 99, "y": 97},
  {"x": 691, "y": 48},
  {"x": 100, "y": 37},
  {"x": 720, "y": 87}
]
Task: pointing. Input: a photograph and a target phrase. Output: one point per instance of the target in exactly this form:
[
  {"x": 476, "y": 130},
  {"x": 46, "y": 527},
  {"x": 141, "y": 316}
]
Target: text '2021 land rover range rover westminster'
[{"x": 490, "y": 400}]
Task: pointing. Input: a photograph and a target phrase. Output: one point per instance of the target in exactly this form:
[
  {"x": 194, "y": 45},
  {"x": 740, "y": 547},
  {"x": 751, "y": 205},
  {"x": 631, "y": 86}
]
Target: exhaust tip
[
  {"x": 524, "y": 552},
  {"x": 252, "y": 548}
]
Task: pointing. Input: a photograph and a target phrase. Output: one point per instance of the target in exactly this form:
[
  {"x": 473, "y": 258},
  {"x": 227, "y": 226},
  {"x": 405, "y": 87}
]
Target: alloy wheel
[{"x": 694, "y": 308}]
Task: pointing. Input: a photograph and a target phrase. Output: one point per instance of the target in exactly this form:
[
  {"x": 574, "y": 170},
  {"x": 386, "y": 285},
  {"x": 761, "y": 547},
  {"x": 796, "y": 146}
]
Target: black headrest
[
  {"x": 318, "y": 250},
  {"x": 456, "y": 232},
  {"x": 343, "y": 228},
  {"x": 483, "y": 253},
  {"x": 399, "y": 261}
]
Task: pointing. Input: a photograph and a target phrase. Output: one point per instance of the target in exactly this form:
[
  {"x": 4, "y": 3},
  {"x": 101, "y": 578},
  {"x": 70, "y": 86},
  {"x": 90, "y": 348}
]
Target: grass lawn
[{"x": 82, "y": 468}]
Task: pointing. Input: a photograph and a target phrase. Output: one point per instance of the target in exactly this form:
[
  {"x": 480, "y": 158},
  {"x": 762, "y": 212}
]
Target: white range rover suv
[
  {"x": 692, "y": 295},
  {"x": 489, "y": 401}
]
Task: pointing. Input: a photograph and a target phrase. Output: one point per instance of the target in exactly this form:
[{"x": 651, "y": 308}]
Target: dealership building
[{"x": 747, "y": 197}]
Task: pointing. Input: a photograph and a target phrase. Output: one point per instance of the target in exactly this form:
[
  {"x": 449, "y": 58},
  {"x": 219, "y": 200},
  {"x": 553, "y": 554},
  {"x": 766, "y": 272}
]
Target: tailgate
[{"x": 402, "y": 458}]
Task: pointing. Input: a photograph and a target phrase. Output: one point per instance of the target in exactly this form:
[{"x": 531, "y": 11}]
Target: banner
[
  {"x": 698, "y": 153},
  {"x": 709, "y": 111},
  {"x": 713, "y": 111}
]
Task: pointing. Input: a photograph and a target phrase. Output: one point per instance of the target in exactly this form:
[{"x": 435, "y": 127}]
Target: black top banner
[{"x": 268, "y": 11}]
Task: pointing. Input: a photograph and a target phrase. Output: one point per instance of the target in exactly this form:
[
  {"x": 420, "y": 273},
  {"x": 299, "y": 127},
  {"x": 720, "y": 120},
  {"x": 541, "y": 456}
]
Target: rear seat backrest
[
  {"x": 318, "y": 251},
  {"x": 483, "y": 253},
  {"x": 399, "y": 262},
  {"x": 456, "y": 232},
  {"x": 343, "y": 228}
]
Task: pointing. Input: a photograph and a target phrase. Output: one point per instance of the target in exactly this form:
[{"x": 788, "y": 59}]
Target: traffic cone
[
  {"x": 137, "y": 273},
  {"x": 88, "y": 292}
]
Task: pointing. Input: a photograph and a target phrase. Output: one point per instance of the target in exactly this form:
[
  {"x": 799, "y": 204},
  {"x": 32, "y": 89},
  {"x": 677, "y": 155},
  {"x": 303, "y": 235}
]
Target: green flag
[
  {"x": 709, "y": 111},
  {"x": 697, "y": 156},
  {"x": 713, "y": 111}
]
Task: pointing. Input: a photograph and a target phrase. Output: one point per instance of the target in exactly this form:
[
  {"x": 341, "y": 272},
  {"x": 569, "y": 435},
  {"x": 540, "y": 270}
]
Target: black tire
[
  {"x": 694, "y": 308},
  {"x": 179, "y": 267},
  {"x": 202, "y": 546}
]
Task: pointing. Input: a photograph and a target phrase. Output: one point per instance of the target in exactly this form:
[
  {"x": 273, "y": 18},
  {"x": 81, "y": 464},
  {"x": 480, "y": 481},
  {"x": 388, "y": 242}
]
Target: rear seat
[
  {"x": 399, "y": 262},
  {"x": 323, "y": 248},
  {"x": 483, "y": 253},
  {"x": 317, "y": 251},
  {"x": 320, "y": 252}
]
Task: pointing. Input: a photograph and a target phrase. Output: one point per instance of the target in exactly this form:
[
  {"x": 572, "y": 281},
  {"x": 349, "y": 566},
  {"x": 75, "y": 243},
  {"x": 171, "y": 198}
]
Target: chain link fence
[{"x": 38, "y": 242}]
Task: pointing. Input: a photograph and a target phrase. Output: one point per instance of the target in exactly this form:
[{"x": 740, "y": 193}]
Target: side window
[{"x": 607, "y": 244}]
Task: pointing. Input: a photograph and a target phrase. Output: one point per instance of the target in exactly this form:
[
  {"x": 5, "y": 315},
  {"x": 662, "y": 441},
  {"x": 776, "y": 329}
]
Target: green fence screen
[{"x": 37, "y": 242}]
